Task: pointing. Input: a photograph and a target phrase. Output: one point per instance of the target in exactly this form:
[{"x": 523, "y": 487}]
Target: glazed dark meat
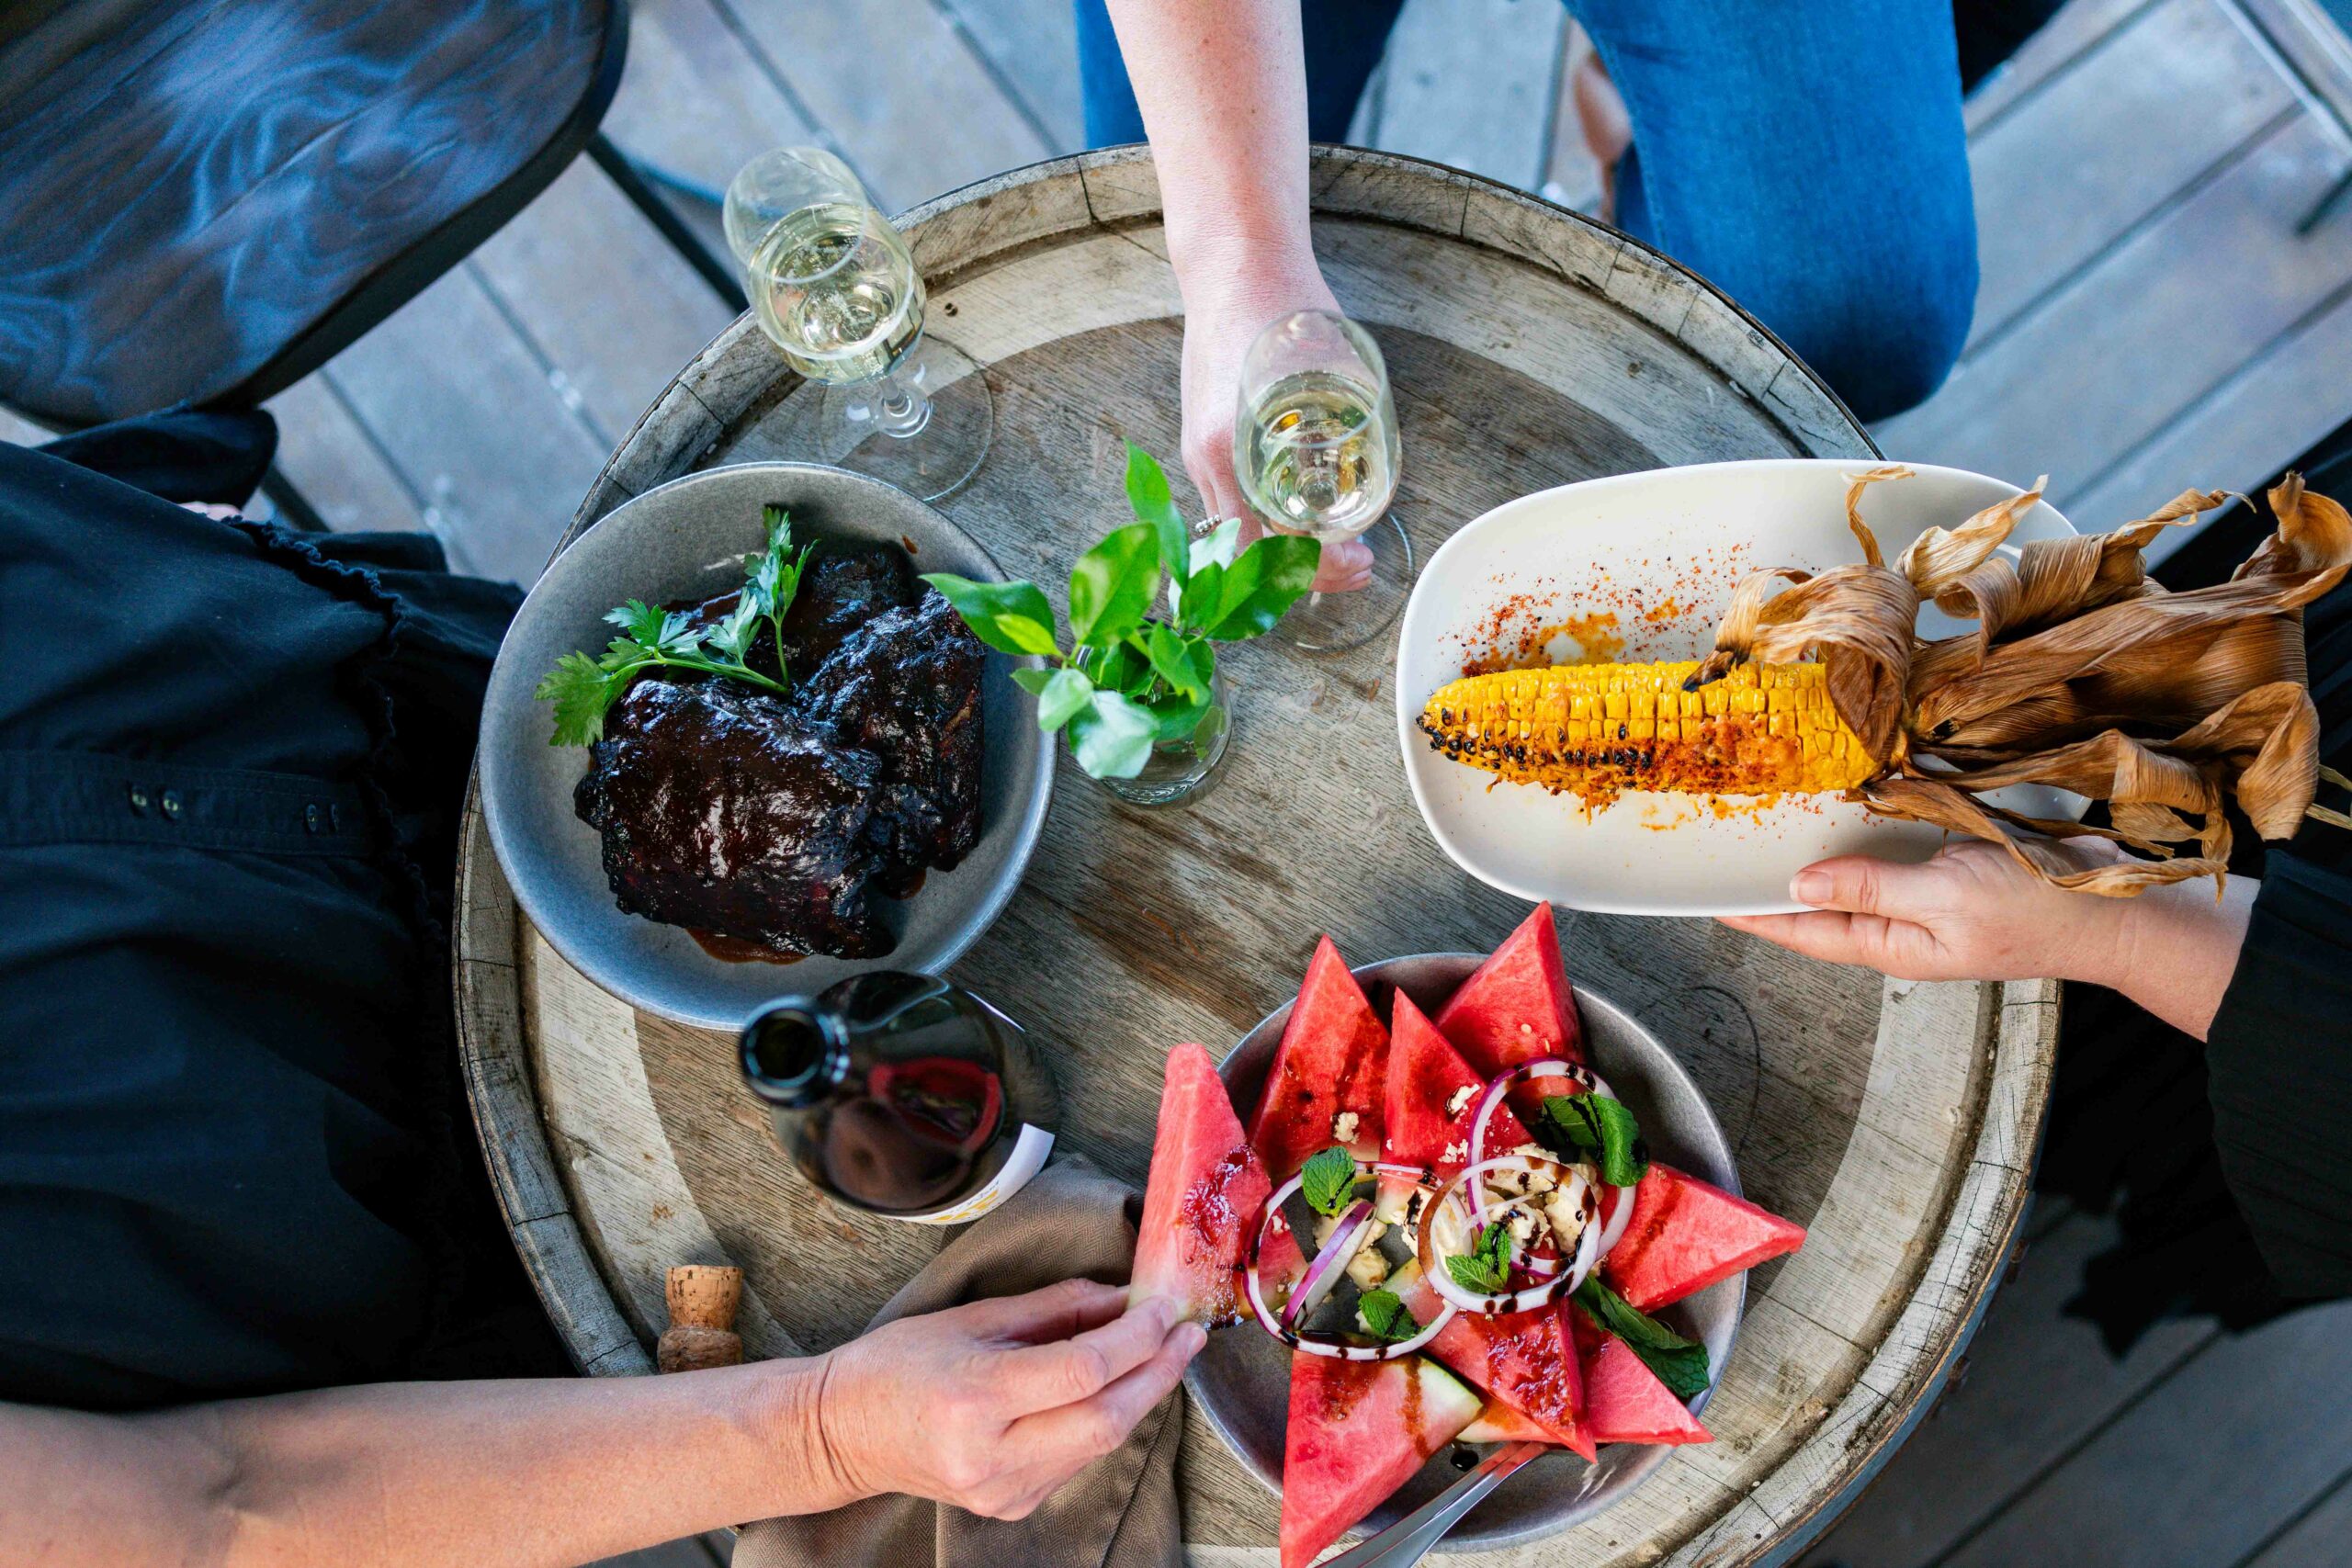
[
  {"x": 906, "y": 687},
  {"x": 724, "y": 809},
  {"x": 844, "y": 587}
]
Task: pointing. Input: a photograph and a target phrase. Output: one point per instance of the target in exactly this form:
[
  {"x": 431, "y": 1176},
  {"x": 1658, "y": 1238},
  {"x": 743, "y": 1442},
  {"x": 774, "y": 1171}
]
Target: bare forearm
[
  {"x": 2179, "y": 949},
  {"x": 1223, "y": 88},
  {"x": 541, "y": 1472}
]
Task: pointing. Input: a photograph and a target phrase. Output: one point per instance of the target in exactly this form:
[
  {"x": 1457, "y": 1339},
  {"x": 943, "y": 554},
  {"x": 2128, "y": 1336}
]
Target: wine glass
[
  {"x": 1316, "y": 449},
  {"x": 833, "y": 284}
]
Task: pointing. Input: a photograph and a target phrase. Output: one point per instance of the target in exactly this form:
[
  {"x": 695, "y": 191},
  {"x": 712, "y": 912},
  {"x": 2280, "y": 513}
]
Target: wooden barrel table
[{"x": 1529, "y": 347}]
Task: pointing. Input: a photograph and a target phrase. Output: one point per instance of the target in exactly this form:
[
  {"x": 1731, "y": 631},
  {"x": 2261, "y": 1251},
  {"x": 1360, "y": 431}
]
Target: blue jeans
[{"x": 1807, "y": 156}]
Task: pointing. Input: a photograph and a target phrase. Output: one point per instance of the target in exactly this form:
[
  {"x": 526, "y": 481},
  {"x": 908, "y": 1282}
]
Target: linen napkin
[{"x": 1119, "y": 1512}]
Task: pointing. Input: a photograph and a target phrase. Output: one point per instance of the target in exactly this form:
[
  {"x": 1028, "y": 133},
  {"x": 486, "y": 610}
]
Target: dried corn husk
[{"x": 2081, "y": 674}]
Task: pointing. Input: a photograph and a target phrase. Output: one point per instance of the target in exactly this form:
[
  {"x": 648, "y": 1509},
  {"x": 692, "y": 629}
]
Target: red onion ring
[
  {"x": 1316, "y": 1344},
  {"x": 1442, "y": 1279},
  {"x": 1347, "y": 1240}
]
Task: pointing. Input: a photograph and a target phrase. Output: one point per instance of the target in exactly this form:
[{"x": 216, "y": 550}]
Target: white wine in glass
[
  {"x": 1316, "y": 449},
  {"x": 834, "y": 285}
]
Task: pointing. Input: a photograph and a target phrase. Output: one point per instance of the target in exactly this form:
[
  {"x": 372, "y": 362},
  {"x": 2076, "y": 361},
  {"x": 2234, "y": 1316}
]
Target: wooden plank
[
  {"x": 600, "y": 296},
  {"x": 465, "y": 411},
  {"x": 2321, "y": 1538},
  {"x": 898, "y": 88},
  {"x": 329, "y": 456},
  {"x": 2036, "y": 1384},
  {"x": 1033, "y": 47},
  {"x": 2069, "y": 39},
  {"x": 2277, "y": 405},
  {"x": 2126, "y": 347},
  {"x": 2104, "y": 145},
  {"x": 1469, "y": 83},
  {"x": 695, "y": 99},
  {"x": 2252, "y": 1415}
]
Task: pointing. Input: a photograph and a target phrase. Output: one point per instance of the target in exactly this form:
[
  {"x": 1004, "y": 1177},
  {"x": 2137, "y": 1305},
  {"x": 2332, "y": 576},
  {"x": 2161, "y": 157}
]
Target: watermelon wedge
[
  {"x": 1524, "y": 1360},
  {"x": 1499, "y": 1423},
  {"x": 1358, "y": 1431},
  {"x": 1685, "y": 1235},
  {"x": 1518, "y": 1006},
  {"x": 1623, "y": 1401},
  {"x": 1204, "y": 1197},
  {"x": 1324, "y": 1086},
  {"x": 1420, "y": 1123}
]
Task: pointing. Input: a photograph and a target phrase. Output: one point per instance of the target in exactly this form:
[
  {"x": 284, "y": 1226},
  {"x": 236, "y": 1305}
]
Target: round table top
[{"x": 1529, "y": 347}]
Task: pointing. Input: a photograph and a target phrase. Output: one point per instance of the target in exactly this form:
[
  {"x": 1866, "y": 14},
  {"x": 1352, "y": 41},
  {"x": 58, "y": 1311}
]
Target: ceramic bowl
[
  {"x": 1242, "y": 1381},
  {"x": 686, "y": 540}
]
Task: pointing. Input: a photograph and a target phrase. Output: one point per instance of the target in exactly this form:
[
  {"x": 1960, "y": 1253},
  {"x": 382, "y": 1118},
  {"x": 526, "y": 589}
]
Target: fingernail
[
  {"x": 1188, "y": 1339},
  {"x": 1810, "y": 887},
  {"x": 1163, "y": 1313}
]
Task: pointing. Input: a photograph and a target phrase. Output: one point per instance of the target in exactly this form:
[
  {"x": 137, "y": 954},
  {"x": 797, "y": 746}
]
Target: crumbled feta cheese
[
  {"x": 1368, "y": 1268},
  {"x": 1462, "y": 1099},
  {"x": 1567, "y": 1218},
  {"x": 1343, "y": 1127},
  {"x": 1455, "y": 1154},
  {"x": 1522, "y": 1227}
]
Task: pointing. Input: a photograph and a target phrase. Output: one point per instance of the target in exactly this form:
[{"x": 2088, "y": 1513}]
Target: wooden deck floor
[{"x": 2150, "y": 319}]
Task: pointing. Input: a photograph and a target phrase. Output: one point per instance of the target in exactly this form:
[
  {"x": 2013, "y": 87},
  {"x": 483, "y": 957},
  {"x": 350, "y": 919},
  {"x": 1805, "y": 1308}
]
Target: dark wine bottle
[{"x": 903, "y": 1095}]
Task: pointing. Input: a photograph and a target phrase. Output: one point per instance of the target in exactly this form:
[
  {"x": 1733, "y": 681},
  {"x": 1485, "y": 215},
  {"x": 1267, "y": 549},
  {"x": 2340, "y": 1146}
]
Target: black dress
[{"x": 230, "y": 759}]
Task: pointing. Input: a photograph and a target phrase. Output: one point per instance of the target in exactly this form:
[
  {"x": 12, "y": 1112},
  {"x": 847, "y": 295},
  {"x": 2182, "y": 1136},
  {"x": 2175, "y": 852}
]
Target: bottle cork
[{"x": 703, "y": 1297}]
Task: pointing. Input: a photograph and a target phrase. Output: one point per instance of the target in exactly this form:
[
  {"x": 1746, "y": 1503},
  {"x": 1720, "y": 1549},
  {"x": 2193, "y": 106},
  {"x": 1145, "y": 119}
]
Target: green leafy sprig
[
  {"x": 1595, "y": 1125},
  {"x": 1327, "y": 1181},
  {"x": 583, "y": 687},
  {"x": 1127, "y": 682},
  {"x": 1680, "y": 1364},
  {"x": 1486, "y": 1266},
  {"x": 1384, "y": 1316}
]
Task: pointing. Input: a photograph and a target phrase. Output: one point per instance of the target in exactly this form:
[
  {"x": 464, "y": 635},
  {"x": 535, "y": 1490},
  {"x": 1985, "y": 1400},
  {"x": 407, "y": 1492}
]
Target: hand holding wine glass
[
  {"x": 1219, "y": 327},
  {"x": 1316, "y": 451}
]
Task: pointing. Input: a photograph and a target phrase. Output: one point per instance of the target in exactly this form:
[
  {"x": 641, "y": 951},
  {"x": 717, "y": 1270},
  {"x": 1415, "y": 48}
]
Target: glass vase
[{"x": 1180, "y": 772}]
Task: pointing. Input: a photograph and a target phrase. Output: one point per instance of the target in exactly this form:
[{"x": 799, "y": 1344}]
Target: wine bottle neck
[{"x": 795, "y": 1054}]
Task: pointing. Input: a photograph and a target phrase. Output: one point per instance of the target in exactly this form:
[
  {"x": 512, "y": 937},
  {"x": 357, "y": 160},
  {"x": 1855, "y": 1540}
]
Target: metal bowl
[
  {"x": 686, "y": 540},
  {"x": 1242, "y": 1381}
]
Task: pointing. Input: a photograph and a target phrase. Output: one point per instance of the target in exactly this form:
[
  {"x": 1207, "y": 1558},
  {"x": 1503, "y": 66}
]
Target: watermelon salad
[{"x": 1452, "y": 1224}]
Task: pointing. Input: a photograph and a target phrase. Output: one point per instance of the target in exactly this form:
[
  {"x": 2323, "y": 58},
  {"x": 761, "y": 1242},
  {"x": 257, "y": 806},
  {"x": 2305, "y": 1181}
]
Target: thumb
[{"x": 1863, "y": 884}]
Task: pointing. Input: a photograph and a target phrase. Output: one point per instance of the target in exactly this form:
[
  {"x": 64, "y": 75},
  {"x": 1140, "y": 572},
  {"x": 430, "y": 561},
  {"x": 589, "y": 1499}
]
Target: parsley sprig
[{"x": 583, "y": 687}]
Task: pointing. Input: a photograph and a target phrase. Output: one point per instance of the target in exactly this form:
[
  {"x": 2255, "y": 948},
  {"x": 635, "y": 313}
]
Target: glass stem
[{"x": 899, "y": 407}]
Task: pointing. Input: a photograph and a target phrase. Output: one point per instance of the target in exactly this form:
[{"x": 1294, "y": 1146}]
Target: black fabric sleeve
[{"x": 2280, "y": 1061}]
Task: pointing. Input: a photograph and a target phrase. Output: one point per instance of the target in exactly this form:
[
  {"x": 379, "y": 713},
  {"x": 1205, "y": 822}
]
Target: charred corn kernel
[{"x": 1598, "y": 729}]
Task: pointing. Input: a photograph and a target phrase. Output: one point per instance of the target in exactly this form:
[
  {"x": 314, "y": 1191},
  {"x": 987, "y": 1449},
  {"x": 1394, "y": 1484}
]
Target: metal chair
[{"x": 207, "y": 199}]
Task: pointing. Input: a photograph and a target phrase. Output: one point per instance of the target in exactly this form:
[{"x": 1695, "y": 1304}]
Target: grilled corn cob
[{"x": 1598, "y": 729}]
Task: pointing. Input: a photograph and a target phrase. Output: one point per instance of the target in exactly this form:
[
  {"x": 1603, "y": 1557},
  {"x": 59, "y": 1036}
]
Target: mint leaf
[
  {"x": 1148, "y": 498},
  {"x": 1263, "y": 581},
  {"x": 1011, "y": 617},
  {"x": 1598, "y": 1125},
  {"x": 1385, "y": 1317},
  {"x": 1680, "y": 1364},
  {"x": 1329, "y": 1182},
  {"x": 1112, "y": 585},
  {"x": 1111, "y": 737},
  {"x": 1486, "y": 1267}
]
